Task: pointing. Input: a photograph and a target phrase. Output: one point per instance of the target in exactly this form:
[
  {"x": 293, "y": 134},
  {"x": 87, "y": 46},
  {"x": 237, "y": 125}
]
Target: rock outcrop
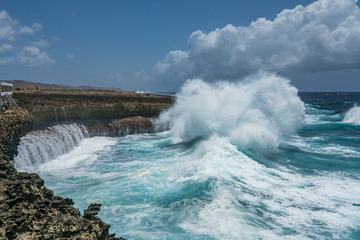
[
  {"x": 28, "y": 210},
  {"x": 122, "y": 127},
  {"x": 13, "y": 125},
  {"x": 132, "y": 125},
  {"x": 89, "y": 107}
]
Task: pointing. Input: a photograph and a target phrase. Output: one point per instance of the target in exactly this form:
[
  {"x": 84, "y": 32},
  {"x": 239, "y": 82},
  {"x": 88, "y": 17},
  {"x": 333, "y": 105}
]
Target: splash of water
[
  {"x": 353, "y": 115},
  {"x": 41, "y": 146},
  {"x": 254, "y": 113}
]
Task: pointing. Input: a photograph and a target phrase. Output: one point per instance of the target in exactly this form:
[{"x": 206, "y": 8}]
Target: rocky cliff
[
  {"x": 13, "y": 125},
  {"x": 28, "y": 210},
  {"x": 89, "y": 107}
]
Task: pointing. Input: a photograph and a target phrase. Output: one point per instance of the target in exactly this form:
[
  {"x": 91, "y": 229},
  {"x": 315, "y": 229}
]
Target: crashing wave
[
  {"x": 353, "y": 115},
  {"x": 254, "y": 113}
]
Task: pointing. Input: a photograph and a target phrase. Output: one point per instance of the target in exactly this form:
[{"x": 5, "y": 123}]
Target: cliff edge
[
  {"x": 90, "y": 108},
  {"x": 28, "y": 210}
]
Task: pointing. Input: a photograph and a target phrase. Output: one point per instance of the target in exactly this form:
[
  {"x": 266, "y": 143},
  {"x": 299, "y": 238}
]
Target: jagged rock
[
  {"x": 28, "y": 210},
  {"x": 92, "y": 210},
  {"x": 132, "y": 125}
]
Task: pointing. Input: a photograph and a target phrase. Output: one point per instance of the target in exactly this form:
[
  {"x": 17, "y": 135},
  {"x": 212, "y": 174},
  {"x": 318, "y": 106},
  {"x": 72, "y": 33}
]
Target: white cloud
[
  {"x": 324, "y": 35},
  {"x": 30, "y": 30},
  {"x": 16, "y": 49},
  {"x": 7, "y": 26},
  {"x": 33, "y": 56},
  {"x": 70, "y": 56},
  {"x": 10, "y": 28}
]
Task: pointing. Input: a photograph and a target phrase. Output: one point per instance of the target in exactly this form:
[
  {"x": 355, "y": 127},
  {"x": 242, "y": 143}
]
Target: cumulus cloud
[
  {"x": 30, "y": 30},
  {"x": 33, "y": 56},
  {"x": 10, "y": 28},
  {"x": 16, "y": 49},
  {"x": 324, "y": 35}
]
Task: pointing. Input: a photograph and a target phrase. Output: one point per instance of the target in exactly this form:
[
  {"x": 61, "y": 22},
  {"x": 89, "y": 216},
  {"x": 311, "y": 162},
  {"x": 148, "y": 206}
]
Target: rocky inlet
[{"x": 28, "y": 210}]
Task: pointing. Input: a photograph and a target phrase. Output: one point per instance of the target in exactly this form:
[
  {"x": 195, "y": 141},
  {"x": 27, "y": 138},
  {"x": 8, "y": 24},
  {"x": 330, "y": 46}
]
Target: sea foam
[
  {"x": 353, "y": 115},
  {"x": 254, "y": 113},
  {"x": 44, "y": 145}
]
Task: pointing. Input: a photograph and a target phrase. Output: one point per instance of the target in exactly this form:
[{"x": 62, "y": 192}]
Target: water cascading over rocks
[{"x": 42, "y": 146}]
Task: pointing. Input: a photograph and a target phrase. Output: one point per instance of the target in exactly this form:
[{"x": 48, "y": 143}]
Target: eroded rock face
[
  {"x": 87, "y": 107},
  {"x": 28, "y": 210},
  {"x": 31, "y": 211},
  {"x": 122, "y": 127},
  {"x": 13, "y": 125},
  {"x": 132, "y": 125}
]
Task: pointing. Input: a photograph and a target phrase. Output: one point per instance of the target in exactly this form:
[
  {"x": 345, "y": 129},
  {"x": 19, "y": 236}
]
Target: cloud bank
[
  {"x": 16, "y": 45},
  {"x": 322, "y": 36}
]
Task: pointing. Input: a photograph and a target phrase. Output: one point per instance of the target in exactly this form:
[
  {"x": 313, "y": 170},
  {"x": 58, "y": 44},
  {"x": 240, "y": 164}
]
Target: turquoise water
[{"x": 300, "y": 185}]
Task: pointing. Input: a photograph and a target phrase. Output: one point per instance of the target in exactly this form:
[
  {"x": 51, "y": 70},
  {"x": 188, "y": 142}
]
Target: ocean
[{"x": 248, "y": 160}]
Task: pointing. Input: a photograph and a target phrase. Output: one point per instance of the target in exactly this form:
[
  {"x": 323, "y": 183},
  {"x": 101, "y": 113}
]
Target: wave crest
[
  {"x": 254, "y": 113},
  {"x": 353, "y": 115}
]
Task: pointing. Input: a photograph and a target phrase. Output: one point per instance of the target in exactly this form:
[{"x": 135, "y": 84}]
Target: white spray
[
  {"x": 42, "y": 146},
  {"x": 254, "y": 113},
  {"x": 353, "y": 115}
]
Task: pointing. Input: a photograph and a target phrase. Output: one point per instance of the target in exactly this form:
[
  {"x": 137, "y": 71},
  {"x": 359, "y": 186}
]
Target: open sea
[{"x": 248, "y": 160}]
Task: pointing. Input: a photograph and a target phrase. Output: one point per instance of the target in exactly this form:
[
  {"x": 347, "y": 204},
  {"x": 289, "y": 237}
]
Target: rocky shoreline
[
  {"x": 88, "y": 107},
  {"x": 28, "y": 210}
]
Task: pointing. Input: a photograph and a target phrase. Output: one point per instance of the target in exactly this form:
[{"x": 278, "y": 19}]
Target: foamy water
[
  {"x": 241, "y": 161},
  {"x": 353, "y": 115}
]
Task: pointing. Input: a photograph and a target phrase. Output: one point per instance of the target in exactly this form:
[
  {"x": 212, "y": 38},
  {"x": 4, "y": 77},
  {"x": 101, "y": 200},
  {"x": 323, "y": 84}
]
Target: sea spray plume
[
  {"x": 353, "y": 115},
  {"x": 254, "y": 113}
]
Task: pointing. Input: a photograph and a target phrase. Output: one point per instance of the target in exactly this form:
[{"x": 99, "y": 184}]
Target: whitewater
[{"x": 248, "y": 160}]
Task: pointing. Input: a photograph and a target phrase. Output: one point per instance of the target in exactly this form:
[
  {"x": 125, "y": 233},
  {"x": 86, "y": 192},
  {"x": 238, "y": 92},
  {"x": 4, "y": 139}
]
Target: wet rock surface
[{"x": 28, "y": 210}]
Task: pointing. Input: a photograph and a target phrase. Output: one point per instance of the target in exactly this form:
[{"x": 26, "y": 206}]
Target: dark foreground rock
[{"x": 28, "y": 210}]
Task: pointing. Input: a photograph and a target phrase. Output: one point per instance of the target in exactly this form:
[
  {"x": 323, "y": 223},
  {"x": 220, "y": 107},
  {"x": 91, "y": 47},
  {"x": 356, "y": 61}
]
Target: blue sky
[{"x": 121, "y": 43}]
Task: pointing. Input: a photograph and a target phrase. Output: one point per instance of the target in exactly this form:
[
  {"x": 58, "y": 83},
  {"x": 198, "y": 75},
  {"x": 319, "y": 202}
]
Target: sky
[{"x": 158, "y": 45}]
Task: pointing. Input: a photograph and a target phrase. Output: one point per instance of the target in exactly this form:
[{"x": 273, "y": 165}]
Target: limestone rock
[{"x": 28, "y": 210}]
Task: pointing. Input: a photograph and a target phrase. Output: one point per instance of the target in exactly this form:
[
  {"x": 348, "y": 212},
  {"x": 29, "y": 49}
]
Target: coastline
[
  {"x": 88, "y": 107},
  {"x": 30, "y": 210}
]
